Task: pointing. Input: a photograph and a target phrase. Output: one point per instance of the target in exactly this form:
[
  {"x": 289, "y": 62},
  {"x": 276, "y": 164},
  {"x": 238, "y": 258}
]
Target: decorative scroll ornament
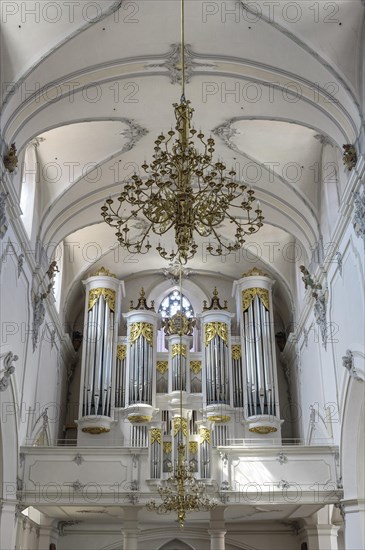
[
  {"x": 249, "y": 294},
  {"x": 308, "y": 279},
  {"x": 178, "y": 349},
  {"x": 107, "y": 293},
  {"x": 104, "y": 273},
  {"x": 39, "y": 313},
  {"x": 121, "y": 352},
  {"x": 162, "y": 366},
  {"x": 180, "y": 424},
  {"x": 320, "y": 312},
  {"x": 141, "y": 329},
  {"x": 193, "y": 447},
  {"x": 3, "y": 218},
  {"x": 173, "y": 63},
  {"x": 155, "y": 436},
  {"x": 195, "y": 366},
  {"x": 236, "y": 352},
  {"x": 204, "y": 435},
  {"x": 214, "y": 303},
  {"x": 255, "y": 271},
  {"x": 142, "y": 303},
  {"x": 349, "y": 156},
  {"x": 167, "y": 447},
  {"x": 358, "y": 220},
  {"x": 348, "y": 363},
  {"x": 11, "y": 159},
  {"x": 8, "y": 370},
  {"x": 216, "y": 329}
]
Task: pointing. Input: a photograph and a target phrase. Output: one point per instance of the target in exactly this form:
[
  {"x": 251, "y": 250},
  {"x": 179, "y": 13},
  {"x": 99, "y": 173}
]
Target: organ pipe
[{"x": 103, "y": 292}]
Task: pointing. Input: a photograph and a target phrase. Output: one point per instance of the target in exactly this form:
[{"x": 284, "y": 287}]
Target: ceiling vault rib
[{"x": 149, "y": 73}]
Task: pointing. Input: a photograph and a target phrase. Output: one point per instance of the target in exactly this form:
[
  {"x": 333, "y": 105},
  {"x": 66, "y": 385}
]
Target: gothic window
[{"x": 171, "y": 305}]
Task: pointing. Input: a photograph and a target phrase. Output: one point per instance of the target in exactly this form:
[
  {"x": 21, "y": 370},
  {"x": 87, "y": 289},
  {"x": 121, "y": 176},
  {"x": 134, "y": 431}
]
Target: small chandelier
[
  {"x": 184, "y": 190},
  {"x": 182, "y": 492}
]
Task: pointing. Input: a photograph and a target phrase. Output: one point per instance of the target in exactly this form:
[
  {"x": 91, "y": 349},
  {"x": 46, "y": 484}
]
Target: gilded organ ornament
[
  {"x": 162, "y": 366},
  {"x": 236, "y": 352},
  {"x": 178, "y": 349},
  {"x": 180, "y": 424},
  {"x": 195, "y": 366},
  {"x": 215, "y": 329},
  {"x": 141, "y": 329},
  {"x": 104, "y": 272},
  {"x": 249, "y": 294},
  {"x": 193, "y": 447},
  {"x": 121, "y": 352},
  {"x": 204, "y": 435},
  {"x": 255, "y": 271},
  {"x": 155, "y": 436},
  {"x": 107, "y": 293}
]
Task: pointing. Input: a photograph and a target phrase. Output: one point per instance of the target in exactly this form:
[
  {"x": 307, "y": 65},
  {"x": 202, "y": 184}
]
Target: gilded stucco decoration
[
  {"x": 249, "y": 294},
  {"x": 236, "y": 352},
  {"x": 204, "y": 435},
  {"x": 155, "y": 436},
  {"x": 216, "y": 329},
  {"x": 107, "y": 293},
  {"x": 162, "y": 366},
  {"x": 104, "y": 273},
  {"x": 263, "y": 430},
  {"x": 141, "y": 329},
  {"x": 139, "y": 418},
  {"x": 121, "y": 352},
  {"x": 96, "y": 430},
  {"x": 195, "y": 366},
  {"x": 167, "y": 447},
  {"x": 178, "y": 349},
  {"x": 180, "y": 424},
  {"x": 193, "y": 447},
  {"x": 255, "y": 271},
  {"x": 220, "y": 418}
]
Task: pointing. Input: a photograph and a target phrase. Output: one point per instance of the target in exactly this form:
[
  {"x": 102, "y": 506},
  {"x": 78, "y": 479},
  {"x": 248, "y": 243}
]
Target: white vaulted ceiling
[{"x": 104, "y": 82}]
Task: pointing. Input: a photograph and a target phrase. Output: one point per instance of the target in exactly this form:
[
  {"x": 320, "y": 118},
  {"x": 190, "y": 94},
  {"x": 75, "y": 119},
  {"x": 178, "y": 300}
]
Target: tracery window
[{"x": 172, "y": 304}]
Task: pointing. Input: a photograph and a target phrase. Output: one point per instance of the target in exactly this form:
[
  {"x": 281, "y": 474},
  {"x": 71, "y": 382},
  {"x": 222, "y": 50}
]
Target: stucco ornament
[
  {"x": 8, "y": 370},
  {"x": 359, "y": 215}
]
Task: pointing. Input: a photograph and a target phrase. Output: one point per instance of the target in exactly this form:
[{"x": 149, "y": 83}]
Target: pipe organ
[
  {"x": 103, "y": 294},
  {"x": 259, "y": 377},
  {"x": 133, "y": 395}
]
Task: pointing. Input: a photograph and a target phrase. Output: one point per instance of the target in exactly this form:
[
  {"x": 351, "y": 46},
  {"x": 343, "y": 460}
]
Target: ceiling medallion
[{"x": 183, "y": 190}]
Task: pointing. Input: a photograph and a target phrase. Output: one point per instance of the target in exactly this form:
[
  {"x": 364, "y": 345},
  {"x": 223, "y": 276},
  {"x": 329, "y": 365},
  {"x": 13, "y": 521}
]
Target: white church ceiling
[{"x": 98, "y": 86}]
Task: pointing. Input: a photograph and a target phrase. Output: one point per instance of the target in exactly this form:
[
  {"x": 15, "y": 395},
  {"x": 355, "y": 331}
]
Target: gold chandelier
[
  {"x": 182, "y": 492},
  {"x": 185, "y": 190}
]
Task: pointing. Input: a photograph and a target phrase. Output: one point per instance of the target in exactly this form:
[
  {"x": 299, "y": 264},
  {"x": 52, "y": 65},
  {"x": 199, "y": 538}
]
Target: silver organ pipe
[
  {"x": 99, "y": 352},
  {"x": 253, "y": 294}
]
